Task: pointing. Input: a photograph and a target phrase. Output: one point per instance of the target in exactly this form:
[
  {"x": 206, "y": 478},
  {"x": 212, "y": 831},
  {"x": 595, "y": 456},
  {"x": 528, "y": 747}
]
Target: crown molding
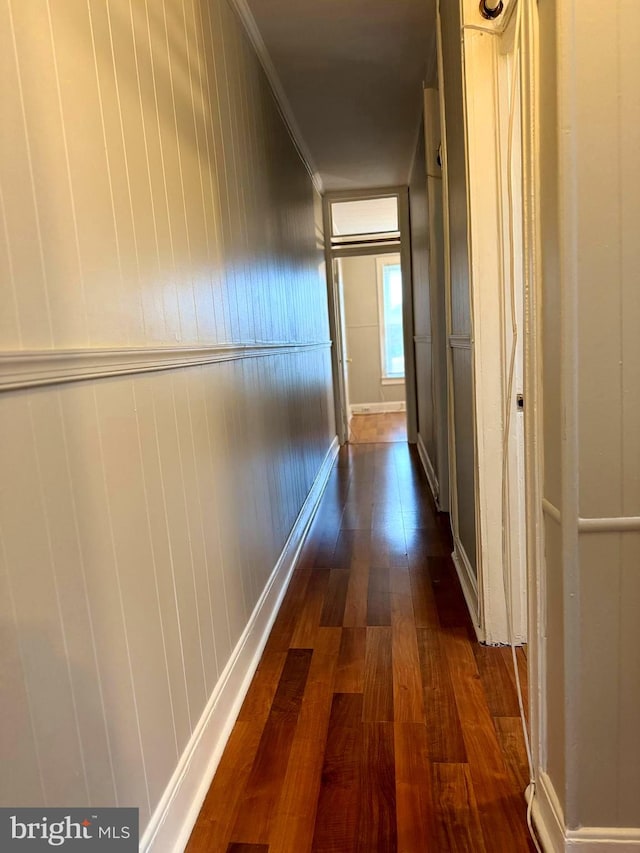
[{"x": 244, "y": 13}]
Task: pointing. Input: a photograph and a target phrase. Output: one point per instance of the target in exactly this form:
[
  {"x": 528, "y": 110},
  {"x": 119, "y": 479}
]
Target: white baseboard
[
  {"x": 377, "y": 408},
  {"x": 548, "y": 821},
  {"x": 172, "y": 821},
  {"x": 468, "y": 583},
  {"x": 547, "y": 816},
  {"x": 605, "y": 839},
  {"x": 428, "y": 470}
]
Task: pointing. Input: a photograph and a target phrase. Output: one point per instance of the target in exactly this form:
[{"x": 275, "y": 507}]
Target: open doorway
[
  {"x": 370, "y": 292},
  {"x": 371, "y": 315}
]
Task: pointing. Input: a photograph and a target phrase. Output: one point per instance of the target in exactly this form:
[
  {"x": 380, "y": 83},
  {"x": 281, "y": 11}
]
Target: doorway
[
  {"x": 371, "y": 316},
  {"x": 370, "y": 294}
]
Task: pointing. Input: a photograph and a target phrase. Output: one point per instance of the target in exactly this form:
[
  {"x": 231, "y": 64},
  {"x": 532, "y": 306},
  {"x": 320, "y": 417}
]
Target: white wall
[
  {"x": 154, "y": 213},
  {"x": 590, "y": 351},
  {"x": 359, "y": 279}
]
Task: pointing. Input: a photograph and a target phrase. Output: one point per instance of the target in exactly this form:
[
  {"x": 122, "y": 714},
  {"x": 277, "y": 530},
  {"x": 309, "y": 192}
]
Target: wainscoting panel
[{"x": 165, "y": 384}]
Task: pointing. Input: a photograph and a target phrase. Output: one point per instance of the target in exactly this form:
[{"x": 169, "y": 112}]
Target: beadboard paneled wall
[
  {"x": 151, "y": 197},
  {"x": 148, "y": 188},
  {"x": 590, "y": 303}
]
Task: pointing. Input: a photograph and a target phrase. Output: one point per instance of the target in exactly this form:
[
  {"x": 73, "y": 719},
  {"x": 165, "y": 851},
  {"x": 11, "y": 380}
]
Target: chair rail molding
[{"x": 33, "y": 368}]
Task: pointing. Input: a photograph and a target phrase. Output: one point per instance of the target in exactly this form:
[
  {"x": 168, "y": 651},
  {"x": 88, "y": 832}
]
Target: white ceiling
[{"x": 352, "y": 72}]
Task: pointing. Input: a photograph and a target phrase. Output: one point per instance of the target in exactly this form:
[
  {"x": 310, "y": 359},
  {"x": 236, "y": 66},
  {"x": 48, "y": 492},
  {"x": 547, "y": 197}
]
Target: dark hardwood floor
[{"x": 375, "y": 722}]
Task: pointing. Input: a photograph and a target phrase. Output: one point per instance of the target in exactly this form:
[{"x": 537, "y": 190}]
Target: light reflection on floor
[{"x": 378, "y": 428}]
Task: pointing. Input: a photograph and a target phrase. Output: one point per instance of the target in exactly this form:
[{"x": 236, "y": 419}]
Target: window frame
[{"x": 382, "y": 261}]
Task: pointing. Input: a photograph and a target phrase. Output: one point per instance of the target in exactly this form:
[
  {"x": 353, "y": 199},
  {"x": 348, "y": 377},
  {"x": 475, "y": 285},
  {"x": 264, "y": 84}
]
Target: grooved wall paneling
[
  {"x": 590, "y": 214},
  {"x": 150, "y": 191},
  {"x": 150, "y": 196}
]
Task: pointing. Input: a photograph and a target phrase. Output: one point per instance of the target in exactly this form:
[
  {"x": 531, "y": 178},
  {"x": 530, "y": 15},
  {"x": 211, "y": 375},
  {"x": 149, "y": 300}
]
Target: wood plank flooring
[
  {"x": 375, "y": 722},
  {"x": 378, "y": 428}
]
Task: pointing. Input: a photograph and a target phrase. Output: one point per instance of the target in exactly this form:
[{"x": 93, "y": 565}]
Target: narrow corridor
[{"x": 375, "y": 721}]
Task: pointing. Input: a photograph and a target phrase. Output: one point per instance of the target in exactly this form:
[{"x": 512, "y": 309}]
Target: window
[{"x": 390, "y": 311}]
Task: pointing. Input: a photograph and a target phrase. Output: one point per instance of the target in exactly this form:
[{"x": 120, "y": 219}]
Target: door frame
[
  {"x": 501, "y": 525},
  {"x": 332, "y": 253}
]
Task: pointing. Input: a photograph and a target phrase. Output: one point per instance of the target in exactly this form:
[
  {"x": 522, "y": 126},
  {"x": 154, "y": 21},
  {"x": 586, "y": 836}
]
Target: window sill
[{"x": 392, "y": 381}]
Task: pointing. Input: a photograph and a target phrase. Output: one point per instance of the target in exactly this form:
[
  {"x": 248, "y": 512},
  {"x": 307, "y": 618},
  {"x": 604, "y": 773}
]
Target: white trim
[
  {"x": 551, "y": 510},
  {"x": 342, "y": 409},
  {"x": 548, "y": 820},
  {"x": 533, "y": 429},
  {"x": 624, "y": 524},
  {"x": 546, "y": 815},
  {"x": 245, "y": 14},
  {"x": 359, "y": 195},
  {"x": 377, "y": 408},
  {"x": 366, "y": 249},
  {"x": 172, "y": 821},
  {"x": 469, "y": 584},
  {"x": 607, "y": 839},
  {"x": 27, "y": 369},
  {"x": 364, "y": 237},
  {"x": 460, "y": 341},
  {"x": 428, "y": 470},
  {"x": 333, "y": 272},
  {"x": 606, "y": 524}
]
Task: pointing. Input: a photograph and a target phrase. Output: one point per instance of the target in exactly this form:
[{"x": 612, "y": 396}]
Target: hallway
[{"x": 375, "y": 721}]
